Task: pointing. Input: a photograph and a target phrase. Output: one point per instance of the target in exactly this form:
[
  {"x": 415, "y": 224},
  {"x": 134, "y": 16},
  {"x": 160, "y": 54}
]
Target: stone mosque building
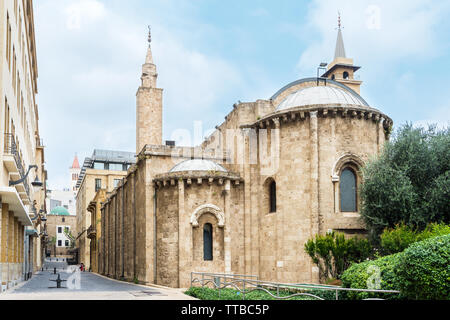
[{"x": 274, "y": 174}]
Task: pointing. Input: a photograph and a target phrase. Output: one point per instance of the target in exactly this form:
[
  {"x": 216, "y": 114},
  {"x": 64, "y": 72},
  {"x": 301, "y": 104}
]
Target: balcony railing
[{"x": 10, "y": 148}]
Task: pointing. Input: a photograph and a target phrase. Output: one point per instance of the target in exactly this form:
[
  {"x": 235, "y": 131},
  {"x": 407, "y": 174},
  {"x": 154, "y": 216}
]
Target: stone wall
[{"x": 52, "y": 222}]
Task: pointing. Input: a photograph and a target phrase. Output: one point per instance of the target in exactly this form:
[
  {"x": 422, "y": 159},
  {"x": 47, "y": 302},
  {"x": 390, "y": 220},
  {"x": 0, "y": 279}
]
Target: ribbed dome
[
  {"x": 321, "y": 95},
  {"x": 198, "y": 165},
  {"x": 60, "y": 211}
]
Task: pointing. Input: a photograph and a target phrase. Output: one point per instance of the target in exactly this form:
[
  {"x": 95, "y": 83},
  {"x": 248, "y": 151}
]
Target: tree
[{"x": 409, "y": 182}]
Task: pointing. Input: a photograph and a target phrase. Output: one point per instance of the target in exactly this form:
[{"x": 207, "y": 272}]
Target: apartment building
[
  {"x": 105, "y": 169},
  {"x": 22, "y": 172}
]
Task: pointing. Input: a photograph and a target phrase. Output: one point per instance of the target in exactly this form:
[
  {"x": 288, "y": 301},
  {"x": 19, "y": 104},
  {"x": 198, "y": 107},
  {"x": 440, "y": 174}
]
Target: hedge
[
  {"x": 358, "y": 275},
  {"x": 232, "y": 294},
  {"x": 400, "y": 238},
  {"x": 423, "y": 270}
]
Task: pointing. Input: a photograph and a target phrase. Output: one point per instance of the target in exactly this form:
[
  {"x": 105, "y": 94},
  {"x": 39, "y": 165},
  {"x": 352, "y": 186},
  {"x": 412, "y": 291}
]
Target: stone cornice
[
  {"x": 196, "y": 177},
  {"x": 323, "y": 111}
]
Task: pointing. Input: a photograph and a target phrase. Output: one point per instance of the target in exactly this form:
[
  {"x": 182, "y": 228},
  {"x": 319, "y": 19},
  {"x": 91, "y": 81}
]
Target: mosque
[{"x": 274, "y": 174}]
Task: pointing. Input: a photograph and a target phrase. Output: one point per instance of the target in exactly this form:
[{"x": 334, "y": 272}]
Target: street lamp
[{"x": 36, "y": 183}]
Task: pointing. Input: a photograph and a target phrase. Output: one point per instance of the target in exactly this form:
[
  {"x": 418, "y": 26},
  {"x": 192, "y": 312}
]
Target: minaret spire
[
  {"x": 340, "y": 49},
  {"x": 342, "y": 69},
  {"x": 149, "y": 57}
]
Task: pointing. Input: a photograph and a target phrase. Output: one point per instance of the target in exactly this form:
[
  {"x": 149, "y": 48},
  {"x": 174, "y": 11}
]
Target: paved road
[{"x": 85, "y": 286}]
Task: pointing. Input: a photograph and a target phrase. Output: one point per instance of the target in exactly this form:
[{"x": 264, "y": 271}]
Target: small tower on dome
[
  {"x": 341, "y": 69},
  {"x": 74, "y": 173},
  {"x": 148, "y": 104}
]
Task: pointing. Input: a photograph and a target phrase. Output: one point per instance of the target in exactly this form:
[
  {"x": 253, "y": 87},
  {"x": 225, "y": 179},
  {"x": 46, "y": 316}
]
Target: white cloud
[
  {"x": 82, "y": 12},
  {"x": 90, "y": 66},
  {"x": 382, "y": 32},
  {"x": 440, "y": 117}
]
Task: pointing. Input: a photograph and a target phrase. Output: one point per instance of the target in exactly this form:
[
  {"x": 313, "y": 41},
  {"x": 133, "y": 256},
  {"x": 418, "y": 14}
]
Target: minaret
[
  {"x": 341, "y": 69},
  {"x": 148, "y": 105}
]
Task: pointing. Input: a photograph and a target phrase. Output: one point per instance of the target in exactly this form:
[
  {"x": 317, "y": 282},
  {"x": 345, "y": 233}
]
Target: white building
[{"x": 66, "y": 197}]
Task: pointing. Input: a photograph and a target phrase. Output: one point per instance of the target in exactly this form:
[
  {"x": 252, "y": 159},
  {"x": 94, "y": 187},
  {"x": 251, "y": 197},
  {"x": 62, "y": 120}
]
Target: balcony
[
  {"x": 91, "y": 232},
  {"x": 13, "y": 163}
]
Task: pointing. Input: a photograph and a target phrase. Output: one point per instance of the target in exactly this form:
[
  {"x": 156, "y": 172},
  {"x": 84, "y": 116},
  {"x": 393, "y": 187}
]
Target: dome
[
  {"x": 321, "y": 95},
  {"x": 60, "y": 211},
  {"x": 198, "y": 165}
]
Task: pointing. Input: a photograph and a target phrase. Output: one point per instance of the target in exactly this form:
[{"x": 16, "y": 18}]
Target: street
[{"x": 89, "y": 287}]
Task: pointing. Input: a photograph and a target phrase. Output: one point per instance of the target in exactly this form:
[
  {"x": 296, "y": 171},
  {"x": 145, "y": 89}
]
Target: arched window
[
  {"x": 347, "y": 187},
  {"x": 273, "y": 196},
  {"x": 207, "y": 242},
  {"x": 333, "y": 77},
  {"x": 346, "y": 75}
]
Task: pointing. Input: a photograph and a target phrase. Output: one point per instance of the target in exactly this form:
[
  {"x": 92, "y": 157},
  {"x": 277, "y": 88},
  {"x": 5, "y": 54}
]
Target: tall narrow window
[
  {"x": 347, "y": 187},
  {"x": 98, "y": 184},
  {"x": 207, "y": 242},
  {"x": 345, "y": 75},
  {"x": 273, "y": 196}
]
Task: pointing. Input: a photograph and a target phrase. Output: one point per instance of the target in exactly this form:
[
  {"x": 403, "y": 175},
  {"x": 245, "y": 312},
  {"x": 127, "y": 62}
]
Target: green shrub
[
  {"x": 333, "y": 253},
  {"x": 232, "y": 294},
  {"x": 362, "y": 275},
  {"x": 434, "y": 230},
  {"x": 423, "y": 270},
  {"x": 402, "y": 236},
  {"x": 397, "y": 239}
]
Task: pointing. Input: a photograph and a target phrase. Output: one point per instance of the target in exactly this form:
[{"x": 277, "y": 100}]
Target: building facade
[
  {"x": 103, "y": 170},
  {"x": 61, "y": 227},
  {"x": 66, "y": 197},
  {"x": 22, "y": 157},
  {"x": 274, "y": 174},
  {"x": 94, "y": 232}
]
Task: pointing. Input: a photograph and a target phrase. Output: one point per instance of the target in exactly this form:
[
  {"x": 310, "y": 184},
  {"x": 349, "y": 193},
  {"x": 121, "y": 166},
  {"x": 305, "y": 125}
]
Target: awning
[
  {"x": 12, "y": 198},
  {"x": 32, "y": 232}
]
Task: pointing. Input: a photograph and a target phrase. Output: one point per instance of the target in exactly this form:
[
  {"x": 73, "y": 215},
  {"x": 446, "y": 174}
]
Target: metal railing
[
  {"x": 245, "y": 284},
  {"x": 10, "y": 147}
]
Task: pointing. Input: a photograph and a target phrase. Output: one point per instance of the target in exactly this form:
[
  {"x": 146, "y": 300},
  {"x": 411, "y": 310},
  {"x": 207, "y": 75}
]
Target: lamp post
[
  {"x": 36, "y": 183},
  {"x": 322, "y": 66}
]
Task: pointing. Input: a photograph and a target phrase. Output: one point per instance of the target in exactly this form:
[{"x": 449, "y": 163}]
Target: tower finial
[
  {"x": 339, "y": 20},
  {"x": 149, "y": 35}
]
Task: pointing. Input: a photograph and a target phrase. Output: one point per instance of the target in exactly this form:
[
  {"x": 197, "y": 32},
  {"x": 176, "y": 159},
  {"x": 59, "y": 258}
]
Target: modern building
[
  {"x": 274, "y": 174},
  {"x": 61, "y": 229},
  {"x": 103, "y": 170},
  {"x": 22, "y": 154}
]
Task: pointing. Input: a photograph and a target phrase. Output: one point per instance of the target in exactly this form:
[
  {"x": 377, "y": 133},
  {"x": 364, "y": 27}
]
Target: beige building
[
  {"x": 274, "y": 174},
  {"x": 22, "y": 157},
  {"x": 103, "y": 170},
  {"x": 94, "y": 232},
  {"x": 61, "y": 226}
]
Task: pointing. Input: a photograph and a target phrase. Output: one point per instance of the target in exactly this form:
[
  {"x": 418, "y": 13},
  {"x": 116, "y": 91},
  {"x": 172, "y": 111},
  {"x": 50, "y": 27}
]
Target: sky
[{"x": 210, "y": 54}]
